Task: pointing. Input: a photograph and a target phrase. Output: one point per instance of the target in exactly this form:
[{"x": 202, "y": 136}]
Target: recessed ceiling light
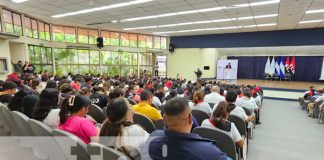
[
  {"x": 201, "y": 10},
  {"x": 204, "y": 22},
  {"x": 118, "y": 5},
  {"x": 220, "y": 28},
  {"x": 311, "y": 21},
  {"x": 18, "y": 1}
]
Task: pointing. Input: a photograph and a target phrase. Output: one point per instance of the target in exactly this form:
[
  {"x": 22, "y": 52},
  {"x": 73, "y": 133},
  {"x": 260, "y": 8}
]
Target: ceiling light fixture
[
  {"x": 204, "y": 22},
  {"x": 200, "y": 10},
  {"x": 118, "y": 5},
  {"x": 220, "y": 28},
  {"x": 311, "y": 21},
  {"x": 18, "y": 1},
  {"x": 257, "y": 3},
  {"x": 315, "y": 11}
]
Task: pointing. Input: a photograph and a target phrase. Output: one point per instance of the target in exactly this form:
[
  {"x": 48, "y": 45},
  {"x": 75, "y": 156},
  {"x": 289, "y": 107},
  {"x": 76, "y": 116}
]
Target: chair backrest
[
  {"x": 247, "y": 111},
  {"x": 159, "y": 124},
  {"x": 144, "y": 121},
  {"x": 67, "y": 141},
  {"x": 222, "y": 140},
  {"x": 104, "y": 111},
  {"x": 211, "y": 105},
  {"x": 132, "y": 102},
  {"x": 107, "y": 152},
  {"x": 200, "y": 115},
  {"x": 239, "y": 123},
  {"x": 22, "y": 124},
  {"x": 275, "y": 75},
  {"x": 39, "y": 128},
  {"x": 288, "y": 75},
  {"x": 10, "y": 122},
  {"x": 96, "y": 113}
]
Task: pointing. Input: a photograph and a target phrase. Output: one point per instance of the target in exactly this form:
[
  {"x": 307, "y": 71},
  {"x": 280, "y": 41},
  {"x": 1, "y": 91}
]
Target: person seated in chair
[
  {"x": 145, "y": 108},
  {"x": 236, "y": 110},
  {"x": 219, "y": 120},
  {"x": 8, "y": 90},
  {"x": 119, "y": 131},
  {"x": 246, "y": 102},
  {"x": 176, "y": 141}
]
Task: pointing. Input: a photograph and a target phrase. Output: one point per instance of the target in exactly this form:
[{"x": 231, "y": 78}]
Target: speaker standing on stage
[
  {"x": 198, "y": 73},
  {"x": 228, "y": 66}
]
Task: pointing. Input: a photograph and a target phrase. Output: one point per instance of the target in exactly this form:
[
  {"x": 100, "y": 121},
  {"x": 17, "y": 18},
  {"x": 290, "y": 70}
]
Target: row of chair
[
  {"x": 48, "y": 143},
  {"x": 317, "y": 111},
  {"x": 276, "y": 76}
]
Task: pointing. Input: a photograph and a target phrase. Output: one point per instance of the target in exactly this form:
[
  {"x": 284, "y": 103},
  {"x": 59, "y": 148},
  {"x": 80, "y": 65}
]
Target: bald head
[{"x": 215, "y": 89}]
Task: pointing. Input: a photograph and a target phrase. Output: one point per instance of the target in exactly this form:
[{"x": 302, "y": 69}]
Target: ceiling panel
[{"x": 290, "y": 13}]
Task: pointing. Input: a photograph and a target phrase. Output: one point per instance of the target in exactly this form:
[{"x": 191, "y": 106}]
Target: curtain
[{"x": 308, "y": 68}]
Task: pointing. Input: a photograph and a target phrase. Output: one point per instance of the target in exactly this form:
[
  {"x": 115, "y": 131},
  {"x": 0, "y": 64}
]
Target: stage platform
[
  {"x": 280, "y": 90},
  {"x": 277, "y": 84}
]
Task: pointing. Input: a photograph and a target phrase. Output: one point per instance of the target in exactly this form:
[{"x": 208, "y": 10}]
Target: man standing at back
[{"x": 176, "y": 142}]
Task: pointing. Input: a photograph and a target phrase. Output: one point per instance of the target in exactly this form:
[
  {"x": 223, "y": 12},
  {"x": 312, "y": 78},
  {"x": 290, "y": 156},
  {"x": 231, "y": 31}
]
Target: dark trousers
[
  {"x": 156, "y": 73},
  {"x": 257, "y": 116}
]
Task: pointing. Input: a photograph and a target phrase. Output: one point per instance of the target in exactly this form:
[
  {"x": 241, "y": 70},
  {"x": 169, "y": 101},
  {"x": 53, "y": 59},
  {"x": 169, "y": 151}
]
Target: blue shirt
[{"x": 169, "y": 145}]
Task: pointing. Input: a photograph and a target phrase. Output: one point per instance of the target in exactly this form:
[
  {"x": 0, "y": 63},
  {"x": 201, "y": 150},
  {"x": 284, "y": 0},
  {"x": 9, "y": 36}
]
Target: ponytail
[{"x": 72, "y": 105}]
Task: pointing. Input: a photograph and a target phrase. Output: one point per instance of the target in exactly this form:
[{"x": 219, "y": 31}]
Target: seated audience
[
  {"x": 98, "y": 97},
  {"x": 16, "y": 102},
  {"x": 198, "y": 102},
  {"x": 128, "y": 138},
  {"x": 219, "y": 120},
  {"x": 46, "y": 109},
  {"x": 28, "y": 104},
  {"x": 236, "y": 110},
  {"x": 246, "y": 102},
  {"x": 180, "y": 143},
  {"x": 145, "y": 108},
  {"x": 72, "y": 118},
  {"x": 214, "y": 96},
  {"x": 9, "y": 88}
]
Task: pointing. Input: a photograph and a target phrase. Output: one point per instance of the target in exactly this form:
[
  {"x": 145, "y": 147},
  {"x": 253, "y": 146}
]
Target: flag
[
  {"x": 282, "y": 67},
  {"x": 287, "y": 65},
  {"x": 272, "y": 66},
  {"x": 293, "y": 65},
  {"x": 277, "y": 65},
  {"x": 267, "y": 67}
]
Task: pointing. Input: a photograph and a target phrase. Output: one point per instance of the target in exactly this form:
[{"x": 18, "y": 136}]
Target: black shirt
[
  {"x": 6, "y": 98},
  {"x": 99, "y": 100}
]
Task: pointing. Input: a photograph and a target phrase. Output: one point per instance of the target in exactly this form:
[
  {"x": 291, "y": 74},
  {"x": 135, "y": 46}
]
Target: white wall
[
  {"x": 18, "y": 52},
  {"x": 5, "y": 53},
  {"x": 185, "y": 61}
]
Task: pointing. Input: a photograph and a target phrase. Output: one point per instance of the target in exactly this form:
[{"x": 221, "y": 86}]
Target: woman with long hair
[
  {"x": 128, "y": 138},
  {"x": 219, "y": 120},
  {"x": 198, "y": 102},
  {"x": 46, "y": 110},
  {"x": 72, "y": 118}
]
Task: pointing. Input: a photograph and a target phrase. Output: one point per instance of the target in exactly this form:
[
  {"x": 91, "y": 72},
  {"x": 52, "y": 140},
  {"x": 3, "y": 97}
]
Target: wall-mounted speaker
[
  {"x": 100, "y": 42},
  {"x": 171, "y": 47}
]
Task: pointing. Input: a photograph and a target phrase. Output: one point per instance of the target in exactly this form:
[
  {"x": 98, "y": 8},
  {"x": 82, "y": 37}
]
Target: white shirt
[
  {"x": 156, "y": 101},
  {"x": 53, "y": 118},
  {"x": 134, "y": 136},
  {"x": 214, "y": 97},
  {"x": 246, "y": 103},
  {"x": 234, "y": 133},
  {"x": 203, "y": 106},
  {"x": 239, "y": 112}
]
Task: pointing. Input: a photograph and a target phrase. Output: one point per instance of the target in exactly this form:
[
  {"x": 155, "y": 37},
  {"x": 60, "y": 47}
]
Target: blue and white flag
[
  {"x": 277, "y": 66},
  {"x": 282, "y": 67}
]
